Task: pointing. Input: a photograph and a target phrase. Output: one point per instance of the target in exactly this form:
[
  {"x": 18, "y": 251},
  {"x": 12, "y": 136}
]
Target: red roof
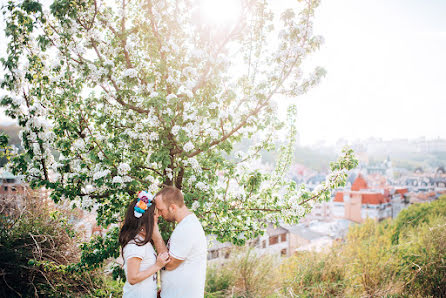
[
  {"x": 401, "y": 191},
  {"x": 359, "y": 183},
  {"x": 366, "y": 198},
  {"x": 339, "y": 197},
  {"x": 374, "y": 198}
]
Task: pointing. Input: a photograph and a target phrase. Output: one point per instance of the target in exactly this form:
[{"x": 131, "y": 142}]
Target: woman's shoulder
[{"x": 134, "y": 249}]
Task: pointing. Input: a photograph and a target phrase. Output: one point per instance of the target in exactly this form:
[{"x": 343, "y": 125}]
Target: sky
[{"x": 386, "y": 71}]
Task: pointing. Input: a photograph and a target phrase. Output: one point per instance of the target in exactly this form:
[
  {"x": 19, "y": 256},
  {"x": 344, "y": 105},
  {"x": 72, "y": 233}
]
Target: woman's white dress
[{"x": 147, "y": 287}]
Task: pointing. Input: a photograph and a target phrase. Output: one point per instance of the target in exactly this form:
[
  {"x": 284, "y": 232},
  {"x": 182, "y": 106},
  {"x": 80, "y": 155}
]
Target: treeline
[{"x": 405, "y": 257}]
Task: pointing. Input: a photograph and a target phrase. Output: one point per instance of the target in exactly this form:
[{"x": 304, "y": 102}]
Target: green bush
[
  {"x": 423, "y": 258},
  {"x": 37, "y": 251},
  {"x": 246, "y": 274},
  {"x": 312, "y": 274},
  {"x": 417, "y": 214},
  {"x": 369, "y": 263},
  {"x": 219, "y": 280}
]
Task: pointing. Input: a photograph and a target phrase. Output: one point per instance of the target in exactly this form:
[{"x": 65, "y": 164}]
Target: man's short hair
[{"x": 171, "y": 195}]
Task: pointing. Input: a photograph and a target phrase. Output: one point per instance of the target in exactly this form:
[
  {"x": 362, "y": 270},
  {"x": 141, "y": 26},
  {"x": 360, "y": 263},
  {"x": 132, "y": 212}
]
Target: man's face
[{"x": 163, "y": 209}]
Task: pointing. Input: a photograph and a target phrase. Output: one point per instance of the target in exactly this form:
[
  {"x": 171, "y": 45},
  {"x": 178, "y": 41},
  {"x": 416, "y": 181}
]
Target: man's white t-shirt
[
  {"x": 188, "y": 243},
  {"x": 147, "y": 287}
]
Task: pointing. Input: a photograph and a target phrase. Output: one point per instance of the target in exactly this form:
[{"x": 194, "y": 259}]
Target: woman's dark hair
[{"x": 132, "y": 225}]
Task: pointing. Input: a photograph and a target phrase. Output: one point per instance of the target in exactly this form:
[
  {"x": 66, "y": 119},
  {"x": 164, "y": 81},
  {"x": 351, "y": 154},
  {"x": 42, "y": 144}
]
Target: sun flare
[{"x": 220, "y": 12}]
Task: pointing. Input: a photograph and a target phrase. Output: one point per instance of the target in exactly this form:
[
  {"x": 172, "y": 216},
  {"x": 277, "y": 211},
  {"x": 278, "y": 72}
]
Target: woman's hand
[{"x": 162, "y": 259}]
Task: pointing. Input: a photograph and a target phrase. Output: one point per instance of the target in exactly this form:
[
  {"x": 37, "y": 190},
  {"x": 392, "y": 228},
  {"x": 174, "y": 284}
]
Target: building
[
  {"x": 399, "y": 200},
  {"x": 361, "y": 202},
  {"x": 285, "y": 240},
  {"x": 13, "y": 191}
]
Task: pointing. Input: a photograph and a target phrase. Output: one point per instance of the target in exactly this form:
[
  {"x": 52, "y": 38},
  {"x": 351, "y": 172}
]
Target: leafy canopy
[{"x": 118, "y": 97}]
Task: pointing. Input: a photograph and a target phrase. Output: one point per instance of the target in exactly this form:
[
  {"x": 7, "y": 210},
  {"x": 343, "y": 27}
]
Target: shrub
[
  {"x": 368, "y": 264},
  {"x": 369, "y": 260},
  {"x": 219, "y": 280},
  {"x": 313, "y": 274},
  {"x": 417, "y": 214},
  {"x": 246, "y": 274},
  {"x": 423, "y": 258},
  {"x": 37, "y": 251}
]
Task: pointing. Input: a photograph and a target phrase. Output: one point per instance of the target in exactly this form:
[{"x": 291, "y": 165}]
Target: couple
[{"x": 182, "y": 262}]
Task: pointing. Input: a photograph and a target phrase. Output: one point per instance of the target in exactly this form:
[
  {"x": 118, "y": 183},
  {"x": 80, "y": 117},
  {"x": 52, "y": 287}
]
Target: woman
[{"x": 140, "y": 261}]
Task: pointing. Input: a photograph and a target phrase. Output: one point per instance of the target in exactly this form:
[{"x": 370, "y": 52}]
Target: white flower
[
  {"x": 78, "y": 145},
  {"x": 175, "y": 130},
  {"x": 195, "y": 205},
  {"x": 192, "y": 179},
  {"x": 131, "y": 73},
  {"x": 200, "y": 185},
  {"x": 213, "y": 133},
  {"x": 239, "y": 154},
  {"x": 319, "y": 188},
  {"x": 100, "y": 174},
  {"x": 194, "y": 164},
  {"x": 126, "y": 179},
  {"x": 186, "y": 91},
  {"x": 109, "y": 63},
  {"x": 299, "y": 210},
  {"x": 188, "y": 146},
  {"x": 100, "y": 155},
  {"x": 123, "y": 168},
  {"x": 153, "y": 136},
  {"x": 117, "y": 179},
  {"x": 171, "y": 96},
  {"x": 213, "y": 105}
]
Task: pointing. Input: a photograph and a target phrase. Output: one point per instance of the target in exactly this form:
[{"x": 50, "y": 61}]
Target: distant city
[{"x": 378, "y": 189}]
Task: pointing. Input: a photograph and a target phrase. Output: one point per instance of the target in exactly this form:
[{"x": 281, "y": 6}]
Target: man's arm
[{"x": 173, "y": 264}]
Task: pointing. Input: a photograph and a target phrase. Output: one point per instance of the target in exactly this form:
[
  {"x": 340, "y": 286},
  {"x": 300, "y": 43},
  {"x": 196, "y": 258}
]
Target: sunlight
[{"x": 220, "y": 12}]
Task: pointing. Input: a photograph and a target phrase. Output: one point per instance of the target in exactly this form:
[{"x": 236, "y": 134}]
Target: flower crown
[{"x": 145, "y": 200}]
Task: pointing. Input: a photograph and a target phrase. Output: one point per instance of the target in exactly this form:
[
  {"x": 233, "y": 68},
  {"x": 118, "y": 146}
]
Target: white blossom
[
  {"x": 100, "y": 174},
  {"x": 153, "y": 136},
  {"x": 175, "y": 130},
  {"x": 171, "y": 96},
  {"x": 117, "y": 179},
  {"x": 213, "y": 133},
  {"x": 201, "y": 186},
  {"x": 123, "y": 168},
  {"x": 213, "y": 105},
  {"x": 195, "y": 205},
  {"x": 188, "y": 146},
  {"x": 78, "y": 145},
  {"x": 130, "y": 72},
  {"x": 192, "y": 179}
]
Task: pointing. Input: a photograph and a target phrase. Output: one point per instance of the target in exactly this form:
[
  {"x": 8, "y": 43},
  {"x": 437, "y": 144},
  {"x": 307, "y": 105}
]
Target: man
[{"x": 185, "y": 274}]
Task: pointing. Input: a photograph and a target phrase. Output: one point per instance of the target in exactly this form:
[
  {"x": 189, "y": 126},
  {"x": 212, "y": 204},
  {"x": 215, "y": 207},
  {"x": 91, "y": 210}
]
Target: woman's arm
[
  {"x": 135, "y": 276},
  {"x": 158, "y": 241}
]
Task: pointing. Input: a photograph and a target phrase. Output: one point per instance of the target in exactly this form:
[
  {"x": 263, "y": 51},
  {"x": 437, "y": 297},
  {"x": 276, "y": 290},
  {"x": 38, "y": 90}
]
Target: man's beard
[{"x": 169, "y": 218}]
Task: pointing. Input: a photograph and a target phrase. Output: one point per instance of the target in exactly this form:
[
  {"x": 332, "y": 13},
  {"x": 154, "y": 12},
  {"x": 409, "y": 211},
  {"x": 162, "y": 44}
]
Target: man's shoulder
[
  {"x": 189, "y": 225},
  {"x": 189, "y": 221}
]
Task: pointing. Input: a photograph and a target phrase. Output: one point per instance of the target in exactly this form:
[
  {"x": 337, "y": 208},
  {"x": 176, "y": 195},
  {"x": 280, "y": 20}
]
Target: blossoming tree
[{"x": 118, "y": 97}]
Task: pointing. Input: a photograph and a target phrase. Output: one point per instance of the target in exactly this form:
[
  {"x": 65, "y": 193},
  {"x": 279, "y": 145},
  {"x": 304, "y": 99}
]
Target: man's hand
[{"x": 173, "y": 264}]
